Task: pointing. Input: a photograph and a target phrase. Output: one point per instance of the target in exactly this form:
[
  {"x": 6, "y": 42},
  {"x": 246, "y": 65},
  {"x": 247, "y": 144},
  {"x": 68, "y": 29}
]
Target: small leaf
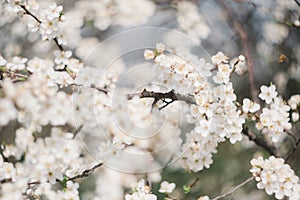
[
  {"x": 64, "y": 182},
  {"x": 186, "y": 188}
]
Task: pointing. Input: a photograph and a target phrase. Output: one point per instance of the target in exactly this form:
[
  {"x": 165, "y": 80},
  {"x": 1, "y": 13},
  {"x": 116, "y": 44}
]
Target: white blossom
[
  {"x": 250, "y": 106},
  {"x": 219, "y": 58},
  {"x": 166, "y": 187},
  {"x": 268, "y": 93},
  {"x": 17, "y": 63}
]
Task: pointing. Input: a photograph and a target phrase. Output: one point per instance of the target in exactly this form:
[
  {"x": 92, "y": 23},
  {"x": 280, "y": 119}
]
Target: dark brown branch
[
  {"x": 244, "y": 38},
  {"x": 7, "y": 180},
  {"x": 194, "y": 182},
  {"x": 93, "y": 86},
  {"x": 86, "y": 172},
  {"x": 57, "y": 44},
  {"x": 260, "y": 142},
  {"x": 29, "y": 13},
  {"x": 167, "y": 97},
  {"x": 99, "y": 89}
]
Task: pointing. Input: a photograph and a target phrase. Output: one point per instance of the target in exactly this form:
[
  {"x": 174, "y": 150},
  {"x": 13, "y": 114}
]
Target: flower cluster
[
  {"x": 275, "y": 177},
  {"x": 213, "y": 103},
  {"x": 45, "y": 102},
  {"x": 198, "y": 150},
  {"x": 43, "y": 160},
  {"x": 48, "y": 20},
  {"x": 274, "y": 120}
]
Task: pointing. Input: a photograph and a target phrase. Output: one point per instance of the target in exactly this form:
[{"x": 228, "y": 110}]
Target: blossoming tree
[{"x": 112, "y": 99}]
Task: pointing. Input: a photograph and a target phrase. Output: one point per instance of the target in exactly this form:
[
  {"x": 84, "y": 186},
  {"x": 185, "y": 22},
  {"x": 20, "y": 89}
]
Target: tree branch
[
  {"x": 244, "y": 38},
  {"x": 260, "y": 142},
  {"x": 171, "y": 95},
  {"x": 29, "y": 13},
  {"x": 85, "y": 173}
]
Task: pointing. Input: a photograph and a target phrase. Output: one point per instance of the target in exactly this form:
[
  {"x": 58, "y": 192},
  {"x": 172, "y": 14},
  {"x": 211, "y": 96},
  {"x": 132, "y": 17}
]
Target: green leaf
[
  {"x": 186, "y": 188},
  {"x": 64, "y": 182}
]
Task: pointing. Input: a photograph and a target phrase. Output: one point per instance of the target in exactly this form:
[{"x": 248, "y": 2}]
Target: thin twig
[
  {"x": 194, "y": 182},
  {"x": 29, "y": 13},
  {"x": 83, "y": 174},
  {"x": 99, "y": 89},
  {"x": 234, "y": 189},
  {"x": 12, "y": 73},
  {"x": 86, "y": 172}
]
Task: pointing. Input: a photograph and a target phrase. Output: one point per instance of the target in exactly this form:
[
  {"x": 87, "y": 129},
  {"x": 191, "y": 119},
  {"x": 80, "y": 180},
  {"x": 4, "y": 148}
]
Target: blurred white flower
[
  {"x": 166, "y": 187},
  {"x": 219, "y": 58},
  {"x": 7, "y": 111},
  {"x": 191, "y": 22},
  {"x": 250, "y": 106},
  {"x": 148, "y": 54},
  {"x": 17, "y": 63}
]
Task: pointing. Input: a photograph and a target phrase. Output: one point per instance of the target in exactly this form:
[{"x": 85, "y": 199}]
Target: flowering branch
[
  {"x": 189, "y": 99},
  {"x": 171, "y": 95},
  {"x": 260, "y": 142},
  {"x": 234, "y": 189},
  {"x": 83, "y": 174},
  {"x": 39, "y": 21}
]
